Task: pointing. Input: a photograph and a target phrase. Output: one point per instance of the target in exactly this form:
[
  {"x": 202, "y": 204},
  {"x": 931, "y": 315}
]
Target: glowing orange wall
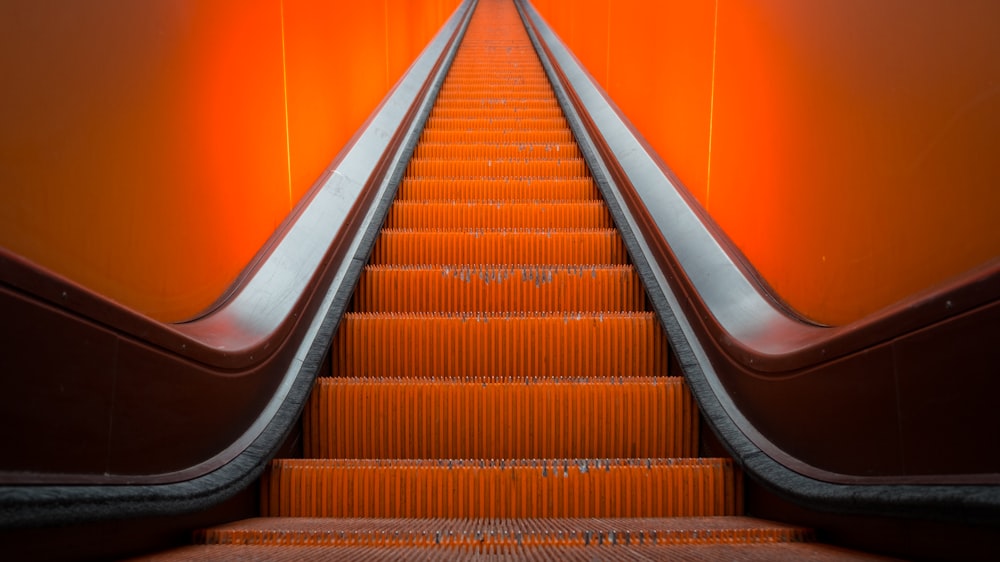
[
  {"x": 145, "y": 148},
  {"x": 847, "y": 147}
]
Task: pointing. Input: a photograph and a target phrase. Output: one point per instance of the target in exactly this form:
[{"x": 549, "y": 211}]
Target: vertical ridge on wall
[
  {"x": 152, "y": 148},
  {"x": 284, "y": 84},
  {"x": 796, "y": 141}
]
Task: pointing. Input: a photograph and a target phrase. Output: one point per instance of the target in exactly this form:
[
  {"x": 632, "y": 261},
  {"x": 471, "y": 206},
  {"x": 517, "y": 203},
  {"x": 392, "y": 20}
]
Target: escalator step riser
[
  {"x": 452, "y": 419},
  {"x": 463, "y": 215},
  {"x": 520, "y": 168},
  {"x": 512, "y": 136},
  {"x": 492, "y": 289},
  {"x": 497, "y": 112},
  {"x": 518, "y": 69},
  {"x": 467, "y": 72},
  {"x": 496, "y": 151},
  {"x": 486, "y": 89},
  {"x": 496, "y": 190},
  {"x": 474, "y": 247},
  {"x": 476, "y": 104},
  {"x": 477, "y": 123},
  {"x": 557, "y": 345},
  {"x": 508, "y": 60},
  {"x": 537, "y": 488}
]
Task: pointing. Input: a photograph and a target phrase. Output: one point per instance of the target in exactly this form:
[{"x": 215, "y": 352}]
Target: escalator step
[
  {"x": 483, "y": 123},
  {"x": 498, "y": 112},
  {"x": 511, "y": 247},
  {"x": 496, "y": 151},
  {"x": 499, "y": 215},
  {"x": 500, "y": 345},
  {"x": 415, "y": 288},
  {"x": 491, "y": 90},
  {"x": 501, "y": 136},
  {"x": 505, "y": 72},
  {"x": 501, "y": 489},
  {"x": 423, "y": 419},
  {"x": 551, "y": 189},
  {"x": 500, "y": 103},
  {"x": 512, "y": 168}
]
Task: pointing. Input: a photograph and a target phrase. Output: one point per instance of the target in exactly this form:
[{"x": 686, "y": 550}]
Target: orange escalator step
[
  {"x": 501, "y": 103},
  {"x": 416, "y": 288},
  {"x": 511, "y": 247},
  {"x": 498, "y": 112},
  {"x": 458, "y": 215},
  {"x": 565, "y": 345},
  {"x": 494, "y": 190},
  {"x": 357, "y": 418},
  {"x": 512, "y": 136},
  {"x": 499, "y": 489},
  {"x": 499, "y": 70},
  {"x": 486, "y": 123},
  {"x": 496, "y": 151},
  {"x": 513, "y": 168},
  {"x": 484, "y": 89}
]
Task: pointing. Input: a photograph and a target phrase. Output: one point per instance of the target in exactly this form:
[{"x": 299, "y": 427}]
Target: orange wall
[
  {"x": 145, "y": 148},
  {"x": 847, "y": 147}
]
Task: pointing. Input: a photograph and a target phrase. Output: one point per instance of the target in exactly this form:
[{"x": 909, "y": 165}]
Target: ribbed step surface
[
  {"x": 493, "y": 247},
  {"x": 479, "y": 90},
  {"x": 500, "y": 104},
  {"x": 499, "y": 112},
  {"x": 500, "y": 488},
  {"x": 505, "y": 136},
  {"x": 482, "y": 345},
  {"x": 498, "y": 289},
  {"x": 522, "y": 167},
  {"x": 499, "y": 124},
  {"x": 455, "y": 419},
  {"x": 496, "y": 151},
  {"x": 497, "y": 215},
  {"x": 503, "y": 189}
]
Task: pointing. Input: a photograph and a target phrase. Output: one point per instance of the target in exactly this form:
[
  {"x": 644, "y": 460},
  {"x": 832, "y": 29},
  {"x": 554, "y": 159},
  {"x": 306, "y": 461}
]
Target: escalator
[{"x": 500, "y": 385}]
